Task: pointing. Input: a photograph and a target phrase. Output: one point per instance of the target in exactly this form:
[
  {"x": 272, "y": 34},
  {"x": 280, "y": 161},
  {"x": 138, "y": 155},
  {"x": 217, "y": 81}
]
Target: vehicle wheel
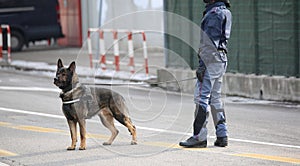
[{"x": 17, "y": 41}]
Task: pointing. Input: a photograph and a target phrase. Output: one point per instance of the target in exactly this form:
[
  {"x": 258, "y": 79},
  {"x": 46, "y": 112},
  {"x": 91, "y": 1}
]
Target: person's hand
[{"x": 200, "y": 73}]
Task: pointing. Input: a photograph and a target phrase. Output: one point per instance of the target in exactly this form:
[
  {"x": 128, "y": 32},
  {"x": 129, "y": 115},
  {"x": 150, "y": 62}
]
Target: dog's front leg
[
  {"x": 82, "y": 126},
  {"x": 73, "y": 131}
]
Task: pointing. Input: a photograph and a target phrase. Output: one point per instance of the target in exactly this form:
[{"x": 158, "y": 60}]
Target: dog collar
[{"x": 71, "y": 102}]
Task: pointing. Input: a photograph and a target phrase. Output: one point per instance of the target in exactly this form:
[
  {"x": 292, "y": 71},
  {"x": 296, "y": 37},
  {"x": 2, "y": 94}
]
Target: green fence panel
[
  {"x": 242, "y": 40},
  {"x": 264, "y": 39},
  {"x": 191, "y": 10}
]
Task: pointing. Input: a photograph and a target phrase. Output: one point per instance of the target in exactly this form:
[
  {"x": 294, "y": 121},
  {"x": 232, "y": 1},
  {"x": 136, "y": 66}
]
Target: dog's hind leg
[
  {"x": 107, "y": 120},
  {"x": 82, "y": 126},
  {"x": 120, "y": 111},
  {"x": 73, "y": 130},
  {"x": 131, "y": 129}
]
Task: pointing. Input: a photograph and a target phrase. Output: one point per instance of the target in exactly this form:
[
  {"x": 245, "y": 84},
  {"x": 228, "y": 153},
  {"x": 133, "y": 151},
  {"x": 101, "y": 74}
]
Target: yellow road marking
[
  {"x": 159, "y": 144},
  {"x": 5, "y": 124},
  {"x": 272, "y": 158},
  {"x": 7, "y": 153},
  {"x": 174, "y": 146},
  {"x": 31, "y": 128},
  {"x": 99, "y": 136},
  {"x": 38, "y": 129}
]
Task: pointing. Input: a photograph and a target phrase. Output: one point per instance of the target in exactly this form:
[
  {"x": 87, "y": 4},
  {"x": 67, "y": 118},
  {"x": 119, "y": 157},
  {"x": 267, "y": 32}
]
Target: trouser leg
[
  {"x": 200, "y": 122},
  {"x": 219, "y": 119},
  {"x": 202, "y": 91},
  {"x": 217, "y": 109},
  {"x": 201, "y": 99}
]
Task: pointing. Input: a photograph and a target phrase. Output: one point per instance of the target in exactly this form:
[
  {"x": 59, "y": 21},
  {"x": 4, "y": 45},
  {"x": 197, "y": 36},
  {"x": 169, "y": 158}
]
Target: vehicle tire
[{"x": 17, "y": 41}]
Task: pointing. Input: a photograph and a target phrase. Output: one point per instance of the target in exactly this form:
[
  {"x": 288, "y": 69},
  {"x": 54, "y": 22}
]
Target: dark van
[{"x": 30, "y": 21}]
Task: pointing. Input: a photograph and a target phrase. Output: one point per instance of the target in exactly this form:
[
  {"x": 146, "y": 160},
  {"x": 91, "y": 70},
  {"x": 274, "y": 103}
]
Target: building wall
[{"x": 70, "y": 16}]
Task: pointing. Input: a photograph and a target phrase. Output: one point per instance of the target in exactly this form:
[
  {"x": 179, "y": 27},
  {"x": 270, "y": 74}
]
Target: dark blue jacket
[{"x": 216, "y": 23}]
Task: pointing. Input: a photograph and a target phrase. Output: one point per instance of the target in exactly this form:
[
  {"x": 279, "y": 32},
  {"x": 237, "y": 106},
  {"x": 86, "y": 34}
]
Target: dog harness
[{"x": 72, "y": 101}]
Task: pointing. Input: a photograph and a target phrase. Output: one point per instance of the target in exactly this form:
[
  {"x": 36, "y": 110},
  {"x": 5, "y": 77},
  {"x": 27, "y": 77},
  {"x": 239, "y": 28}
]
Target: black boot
[
  {"x": 193, "y": 143},
  {"x": 221, "y": 141}
]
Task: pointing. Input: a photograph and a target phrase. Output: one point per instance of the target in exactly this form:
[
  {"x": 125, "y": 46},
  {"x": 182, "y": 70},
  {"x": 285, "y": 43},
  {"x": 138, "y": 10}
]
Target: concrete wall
[
  {"x": 259, "y": 87},
  {"x": 263, "y": 87}
]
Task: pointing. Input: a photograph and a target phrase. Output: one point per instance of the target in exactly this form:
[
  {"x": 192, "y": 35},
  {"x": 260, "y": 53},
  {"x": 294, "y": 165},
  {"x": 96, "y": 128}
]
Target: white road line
[
  {"x": 12, "y": 88},
  {"x": 31, "y": 113},
  {"x": 149, "y": 129}
]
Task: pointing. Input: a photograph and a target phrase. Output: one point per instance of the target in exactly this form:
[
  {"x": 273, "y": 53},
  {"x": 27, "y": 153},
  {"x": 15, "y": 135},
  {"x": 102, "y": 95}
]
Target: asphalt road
[{"x": 34, "y": 130}]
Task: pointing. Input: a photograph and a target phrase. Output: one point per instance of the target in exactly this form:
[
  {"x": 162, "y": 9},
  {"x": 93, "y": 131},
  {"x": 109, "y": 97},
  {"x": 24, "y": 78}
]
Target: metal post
[
  {"x": 297, "y": 36},
  {"x": 256, "y": 37},
  {"x": 166, "y": 36},
  {"x": 191, "y": 50}
]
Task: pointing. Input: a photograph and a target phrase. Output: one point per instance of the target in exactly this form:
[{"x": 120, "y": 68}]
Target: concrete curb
[{"x": 26, "y": 68}]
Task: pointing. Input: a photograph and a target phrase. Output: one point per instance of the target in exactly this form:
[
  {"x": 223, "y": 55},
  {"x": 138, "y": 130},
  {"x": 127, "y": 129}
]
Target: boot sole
[
  {"x": 193, "y": 146},
  {"x": 221, "y": 145}
]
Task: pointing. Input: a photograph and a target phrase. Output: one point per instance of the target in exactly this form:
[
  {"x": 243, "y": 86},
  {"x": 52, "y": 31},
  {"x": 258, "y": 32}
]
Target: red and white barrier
[
  {"x": 8, "y": 42},
  {"x": 102, "y": 50},
  {"x": 145, "y": 52},
  {"x": 116, "y": 51},
  {"x": 116, "y": 48},
  {"x": 89, "y": 42},
  {"x": 130, "y": 52}
]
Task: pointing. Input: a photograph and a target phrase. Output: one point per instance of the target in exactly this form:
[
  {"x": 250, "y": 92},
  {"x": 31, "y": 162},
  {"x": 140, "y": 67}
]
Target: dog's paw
[
  {"x": 82, "y": 148},
  {"x": 71, "y": 148},
  {"x": 106, "y": 143},
  {"x": 133, "y": 143}
]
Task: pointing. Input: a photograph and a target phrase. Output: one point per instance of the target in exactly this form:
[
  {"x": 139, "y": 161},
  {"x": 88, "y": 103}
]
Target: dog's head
[{"x": 65, "y": 77}]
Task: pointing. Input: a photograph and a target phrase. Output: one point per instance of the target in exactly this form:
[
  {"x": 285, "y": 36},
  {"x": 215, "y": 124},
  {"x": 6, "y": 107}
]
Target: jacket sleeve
[{"x": 213, "y": 27}]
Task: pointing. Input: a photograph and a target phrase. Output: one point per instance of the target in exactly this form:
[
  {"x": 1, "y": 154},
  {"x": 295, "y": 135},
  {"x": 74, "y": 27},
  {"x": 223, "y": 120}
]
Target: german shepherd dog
[{"x": 82, "y": 102}]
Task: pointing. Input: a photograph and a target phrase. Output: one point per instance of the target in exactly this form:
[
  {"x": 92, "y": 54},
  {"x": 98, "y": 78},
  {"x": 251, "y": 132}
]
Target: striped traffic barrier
[
  {"x": 130, "y": 52},
  {"x": 116, "y": 51},
  {"x": 145, "y": 53},
  {"x": 102, "y": 50},
  {"x": 90, "y": 51},
  {"x": 8, "y": 51},
  {"x": 116, "y": 48}
]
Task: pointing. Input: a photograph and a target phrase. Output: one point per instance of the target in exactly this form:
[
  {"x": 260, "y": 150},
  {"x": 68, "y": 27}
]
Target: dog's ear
[
  {"x": 72, "y": 66},
  {"x": 59, "y": 64}
]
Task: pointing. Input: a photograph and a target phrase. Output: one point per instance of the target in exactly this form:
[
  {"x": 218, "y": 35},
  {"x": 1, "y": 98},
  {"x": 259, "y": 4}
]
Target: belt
[{"x": 222, "y": 50}]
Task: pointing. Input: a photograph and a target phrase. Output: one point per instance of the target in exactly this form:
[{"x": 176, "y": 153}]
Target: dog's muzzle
[{"x": 55, "y": 81}]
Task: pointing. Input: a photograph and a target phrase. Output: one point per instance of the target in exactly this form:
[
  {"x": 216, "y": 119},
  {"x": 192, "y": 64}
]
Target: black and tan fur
[{"x": 105, "y": 103}]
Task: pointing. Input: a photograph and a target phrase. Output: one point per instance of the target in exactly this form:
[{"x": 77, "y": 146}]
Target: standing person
[{"x": 215, "y": 32}]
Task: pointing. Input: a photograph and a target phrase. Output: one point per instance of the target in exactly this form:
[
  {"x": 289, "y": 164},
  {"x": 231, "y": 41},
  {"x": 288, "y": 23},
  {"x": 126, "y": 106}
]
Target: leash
[
  {"x": 139, "y": 84},
  {"x": 126, "y": 84}
]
